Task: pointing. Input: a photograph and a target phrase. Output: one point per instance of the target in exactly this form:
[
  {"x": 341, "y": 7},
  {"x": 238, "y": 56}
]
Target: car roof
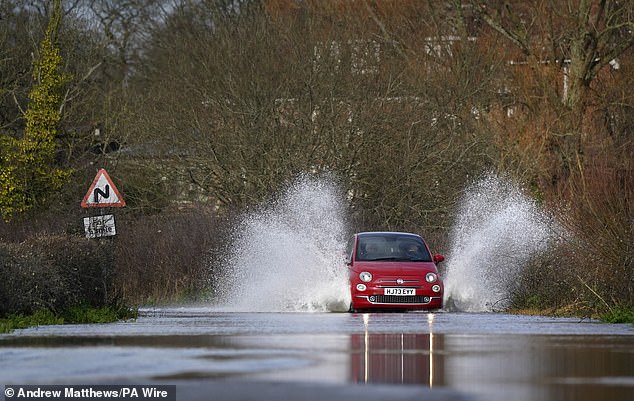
[{"x": 377, "y": 233}]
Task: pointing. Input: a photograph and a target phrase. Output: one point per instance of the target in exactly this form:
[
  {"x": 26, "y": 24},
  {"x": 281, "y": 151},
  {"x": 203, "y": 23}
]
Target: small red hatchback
[{"x": 393, "y": 271}]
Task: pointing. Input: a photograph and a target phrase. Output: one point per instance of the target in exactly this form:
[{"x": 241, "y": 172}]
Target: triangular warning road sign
[{"x": 102, "y": 193}]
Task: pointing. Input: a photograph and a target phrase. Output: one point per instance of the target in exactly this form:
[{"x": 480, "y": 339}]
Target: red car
[{"x": 393, "y": 270}]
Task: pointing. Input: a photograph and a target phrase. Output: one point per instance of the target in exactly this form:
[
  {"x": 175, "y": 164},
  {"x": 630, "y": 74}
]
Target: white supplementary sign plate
[
  {"x": 99, "y": 226},
  {"x": 400, "y": 291}
]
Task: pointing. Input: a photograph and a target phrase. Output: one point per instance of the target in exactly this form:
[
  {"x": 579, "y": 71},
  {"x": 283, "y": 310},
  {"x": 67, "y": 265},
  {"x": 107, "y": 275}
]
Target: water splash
[
  {"x": 289, "y": 256},
  {"x": 497, "y": 232}
]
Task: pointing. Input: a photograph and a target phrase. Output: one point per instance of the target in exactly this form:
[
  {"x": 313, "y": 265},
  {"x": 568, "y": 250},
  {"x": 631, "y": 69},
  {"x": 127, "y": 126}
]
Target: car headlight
[
  {"x": 431, "y": 277},
  {"x": 365, "y": 277}
]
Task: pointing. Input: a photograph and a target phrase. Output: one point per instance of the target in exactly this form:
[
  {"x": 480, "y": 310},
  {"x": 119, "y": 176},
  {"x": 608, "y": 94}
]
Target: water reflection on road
[
  {"x": 496, "y": 356},
  {"x": 521, "y": 366}
]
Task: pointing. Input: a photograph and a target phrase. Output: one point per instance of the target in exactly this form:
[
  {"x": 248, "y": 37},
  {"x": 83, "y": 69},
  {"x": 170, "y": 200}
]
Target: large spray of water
[
  {"x": 497, "y": 232},
  {"x": 288, "y": 256}
]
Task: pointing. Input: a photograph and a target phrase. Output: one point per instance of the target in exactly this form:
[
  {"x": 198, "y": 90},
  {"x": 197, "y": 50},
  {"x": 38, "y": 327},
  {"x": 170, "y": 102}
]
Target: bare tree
[
  {"x": 581, "y": 38},
  {"x": 237, "y": 103}
]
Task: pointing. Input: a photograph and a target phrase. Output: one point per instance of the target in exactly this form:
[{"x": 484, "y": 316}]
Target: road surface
[{"x": 215, "y": 355}]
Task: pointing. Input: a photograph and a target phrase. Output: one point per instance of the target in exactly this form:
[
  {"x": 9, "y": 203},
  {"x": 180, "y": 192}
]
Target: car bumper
[{"x": 379, "y": 301}]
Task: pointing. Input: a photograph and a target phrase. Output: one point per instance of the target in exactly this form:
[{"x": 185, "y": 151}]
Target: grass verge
[
  {"x": 75, "y": 314},
  {"x": 619, "y": 315}
]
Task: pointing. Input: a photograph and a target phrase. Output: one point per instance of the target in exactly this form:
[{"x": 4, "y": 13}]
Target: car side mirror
[
  {"x": 438, "y": 258},
  {"x": 347, "y": 259}
]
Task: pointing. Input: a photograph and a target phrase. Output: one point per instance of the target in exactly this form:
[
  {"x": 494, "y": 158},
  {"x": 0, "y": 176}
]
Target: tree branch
[{"x": 496, "y": 24}]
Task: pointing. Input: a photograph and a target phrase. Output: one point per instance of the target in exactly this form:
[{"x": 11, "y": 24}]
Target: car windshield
[{"x": 391, "y": 247}]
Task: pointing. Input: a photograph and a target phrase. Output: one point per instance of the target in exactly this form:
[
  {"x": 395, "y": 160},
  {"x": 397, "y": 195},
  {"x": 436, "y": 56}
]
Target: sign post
[{"x": 101, "y": 194}]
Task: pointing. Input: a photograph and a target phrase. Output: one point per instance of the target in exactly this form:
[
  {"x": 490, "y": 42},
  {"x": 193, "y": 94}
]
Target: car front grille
[
  {"x": 395, "y": 299},
  {"x": 391, "y": 281}
]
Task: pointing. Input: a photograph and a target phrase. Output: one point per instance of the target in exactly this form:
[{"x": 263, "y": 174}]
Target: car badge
[{"x": 399, "y": 281}]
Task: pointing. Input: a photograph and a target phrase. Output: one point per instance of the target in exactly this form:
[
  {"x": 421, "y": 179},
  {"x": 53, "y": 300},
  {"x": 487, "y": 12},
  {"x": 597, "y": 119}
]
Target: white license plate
[{"x": 400, "y": 291}]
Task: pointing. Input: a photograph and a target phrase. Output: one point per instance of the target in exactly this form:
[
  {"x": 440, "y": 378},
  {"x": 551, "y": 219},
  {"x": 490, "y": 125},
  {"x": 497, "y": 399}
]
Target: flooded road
[{"x": 471, "y": 355}]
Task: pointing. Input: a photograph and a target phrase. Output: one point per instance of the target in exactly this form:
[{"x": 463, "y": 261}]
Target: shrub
[
  {"x": 167, "y": 257},
  {"x": 55, "y": 272},
  {"x": 599, "y": 221}
]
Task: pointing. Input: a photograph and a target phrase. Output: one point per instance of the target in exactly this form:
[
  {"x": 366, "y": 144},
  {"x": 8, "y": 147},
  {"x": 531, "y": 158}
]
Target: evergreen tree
[{"x": 28, "y": 170}]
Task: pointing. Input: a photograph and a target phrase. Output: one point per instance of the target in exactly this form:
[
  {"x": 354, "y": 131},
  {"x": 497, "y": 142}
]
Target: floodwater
[
  {"x": 487, "y": 356},
  {"x": 275, "y": 333}
]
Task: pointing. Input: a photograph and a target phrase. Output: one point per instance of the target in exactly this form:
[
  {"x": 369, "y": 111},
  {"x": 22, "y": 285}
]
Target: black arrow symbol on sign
[{"x": 103, "y": 194}]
